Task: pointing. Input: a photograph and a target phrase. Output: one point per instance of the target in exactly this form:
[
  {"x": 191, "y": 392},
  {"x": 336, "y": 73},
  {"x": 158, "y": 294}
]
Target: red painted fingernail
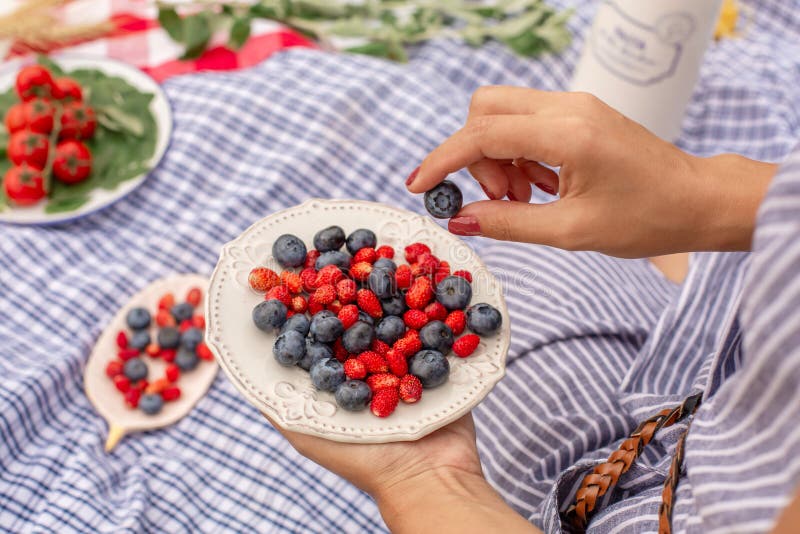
[
  {"x": 511, "y": 196},
  {"x": 546, "y": 188},
  {"x": 464, "y": 226},
  {"x": 488, "y": 194},
  {"x": 412, "y": 176}
]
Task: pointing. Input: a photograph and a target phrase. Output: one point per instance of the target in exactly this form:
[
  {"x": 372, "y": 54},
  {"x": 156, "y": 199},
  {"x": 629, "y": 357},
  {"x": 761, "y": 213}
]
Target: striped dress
[{"x": 598, "y": 343}]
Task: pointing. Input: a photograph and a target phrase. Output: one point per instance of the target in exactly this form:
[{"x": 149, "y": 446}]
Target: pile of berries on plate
[
  {"x": 46, "y": 129},
  {"x": 367, "y": 329},
  {"x": 178, "y": 341}
]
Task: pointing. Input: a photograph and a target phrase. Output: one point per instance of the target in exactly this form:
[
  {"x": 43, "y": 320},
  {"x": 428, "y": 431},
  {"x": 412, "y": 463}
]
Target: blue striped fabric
[{"x": 598, "y": 343}]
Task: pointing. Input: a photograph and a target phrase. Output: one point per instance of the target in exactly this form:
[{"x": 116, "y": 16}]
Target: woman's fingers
[
  {"x": 491, "y": 175},
  {"x": 507, "y": 100},
  {"x": 539, "y": 175},
  {"x": 519, "y": 188}
]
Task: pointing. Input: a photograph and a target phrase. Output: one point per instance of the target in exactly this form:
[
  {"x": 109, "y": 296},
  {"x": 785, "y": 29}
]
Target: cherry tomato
[
  {"x": 77, "y": 121},
  {"x": 33, "y": 81},
  {"x": 73, "y": 162},
  {"x": 24, "y": 185},
  {"x": 39, "y": 115},
  {"x": 15, "y": 118},
  {"x": 28, "y": 147},
  {"x": 67, "y": 89}
]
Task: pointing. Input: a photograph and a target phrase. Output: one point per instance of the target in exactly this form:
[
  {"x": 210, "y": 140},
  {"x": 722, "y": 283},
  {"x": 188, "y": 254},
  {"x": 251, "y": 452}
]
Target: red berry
[
  {"x": 152, "y": 350},
  {"x": 279, "y": 293},
  {"x": 385, "y": 251},
  {"x": 141, "y": 385},
  {"x": 292, "y": 281},
  {"x": 464, "y": 274},
  {"x": 168, "y": 355},
  {"x": 381, "y": 381},
  {"x": 171, "y": 393},
  {"x": 410, "y": 389},
  {"x": 419, "y": 294},
  {"x": 186, "y": 324},
  {"x": 203, "y": 352},
  {"x": 374, "y": 362},
  {"x": 194, "y": 296},
  {"x": 426, "y": 265},
  {"x": 436, "y": 311},
  {"x": 466, "y": 345},
  {"x": 369, "y": 303},
  {"x": 339, "y": 352},
  {"x": 122, "y": 340},
  {"x": 198, "y": 321},
  {"x": 132, "y": 397},
  {"x": 157, "y": 386},
  {"x": 384, "y": 402},
  {"x": 309, "y": 278},
  {"x": 457, "y": 321},
  {"x": 380, "y": 347},
  {"x": 334, "y": 306},
  {"x": 263, "y": 279},
  {"x": 398, "y": 365},
  {"x": 166, "y": 302},
  {"x": 172, "y": 372},
  {"x": 346, "y": 291},
  {"x": 360, "y": 271},
  {"x": 408, "y": 345},
  {"x": 355, "y": 369},
  {"x": 113, "y": 368},
  {"x": 366, "y": 254},
  {"x": 122, "y": 383},
  {"x": 330, "y": 274},
  {"x": 413, "y": 250},
  {"x": 127, "y": 354},
  {"x": 403, "y": 276},
  {"x": 299, "y": 304},
  {"x": 314, "y": 307},
  {"x": 440, "y": 275},
  {"x": 348, "y": 315},
  {"x": 325, "y": 294},
  {"x": 311, "y": 258},
  {"x": 415, "y": 319},
  {"x": 164, "y": 318}
]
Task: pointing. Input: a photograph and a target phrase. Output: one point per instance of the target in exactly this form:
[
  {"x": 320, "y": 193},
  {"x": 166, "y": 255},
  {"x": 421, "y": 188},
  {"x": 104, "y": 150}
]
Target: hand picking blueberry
[{"x": 444, "y": 200}]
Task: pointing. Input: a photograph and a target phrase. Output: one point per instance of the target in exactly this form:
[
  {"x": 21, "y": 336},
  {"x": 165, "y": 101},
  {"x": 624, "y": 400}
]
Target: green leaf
[
  {"x": 118, "y": 120},
  {"x": 48, "y": 63},
  {"x": 371, "y": 49},
  {"x": 66, "y": 204},
  {"x": 171, "y": 22},
  {"x": 240, "y": 32},
  {"x": 196, "y": 34}
]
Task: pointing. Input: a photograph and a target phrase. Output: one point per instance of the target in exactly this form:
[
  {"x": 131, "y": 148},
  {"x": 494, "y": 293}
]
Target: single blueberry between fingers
[
  {"x": 331, "y": 238},
  {"x": 289, "y": 348},
  {"x": 333, "y": 257},
  {"x": 454, "y": 292},
  {"x": 297, "y": 322},
  {"x": 135, "y": 369},
  {"x": 483, "y": 319},
  {"x": 315, "y": 351},
  {"x": 289, "y": 251},
  {"x": 186, "y": 359},
  {"x": 436, "y": 336},
  {"x": 169, "y": 337},
  {"x": 191, "y": 337},
  {"x": 353, "y": 395},
  {"x": 358, "y": 337},
  {"x": 327, "y": 374},
  {"x": 382, "y": 282},
  {"x": 327, "y": 329},
  {"x": 361, "y": 238},
  {"x": 395, "y": 305},
  {"x": 431, "y": 367},
  {"x": 390, "y": 329},
  {"x": 151, "y": 403},
  {"x": 444, "y": 200},
  {"x": 269, "y": 314},
  {"x": 182, "y": 312},
  {"x": 139, "y": 340},
  {"x": 138, "y": 318}
]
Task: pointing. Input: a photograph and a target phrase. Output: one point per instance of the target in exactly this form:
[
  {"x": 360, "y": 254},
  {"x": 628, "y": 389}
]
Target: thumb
[{"x": 544, "y": 224}]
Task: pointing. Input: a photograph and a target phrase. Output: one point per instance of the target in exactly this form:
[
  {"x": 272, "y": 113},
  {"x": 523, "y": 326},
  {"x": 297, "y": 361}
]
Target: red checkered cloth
[{"x": 138, "y": 39}]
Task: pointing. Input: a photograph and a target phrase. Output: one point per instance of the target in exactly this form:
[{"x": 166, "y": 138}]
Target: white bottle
[{"x": 643, "y": 58}]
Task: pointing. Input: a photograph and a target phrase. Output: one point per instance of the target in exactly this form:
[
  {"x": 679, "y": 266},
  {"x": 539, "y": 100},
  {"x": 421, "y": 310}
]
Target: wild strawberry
[
  {"x": 292, "y": 282},
  {"x": 415, "y": 319},
  {"x": 380, "y": 347},
  {"x": 299, "y": 304},
  {"x": 141, "y": 385},
  {"x": 419, "y": 294},
  {"x": 408, "y": 345},
  {"x": 456, "y": 320},
  {"x": 360, "y": 271},
  {"x": 384, "y": 402},
  {"x": 369, "y": 303},
  {"x": 122, "y": 383},
  {"x": 152, "y": 350},
  {"x": 325, "y": 294},
  {"x": 314, "y": 307},
  {"x": 165, "y": 318},
  {"x": 166, "y": 302},
  {"x": 426, "y": 265},
  {"x": 203, "y": 352},
  {"x": 279, "y": 293},
  {"x": 330, "y": 274},
  {"x": 346, "y": 291},
  {"x": 396, "y": 360},
  {"x": 334, "y": 307},
  {"x": 380, "y": 381},
  {"x": 172, "y": 372},
  {"x": 309, "y": 278},
  {"x": 311, "y": 258},
  {"x": 442, "y": 272},
  {"x": 113, "y": 368},
  {"x": 339, "y": 351},
  {"x": 374, "y": 362},
  {"x": 171, "y": 393},
  {"x": 385, "y": 251},
  {"x": 198, "y": 321},
  {"x": 132, "y": 397},
  {"x": 348, "y": 315},
  {"x": 157, "y": 386},
  {"x": 127, "y": 354},
  {"x": 436, "y": 311},
  {"x": 413, "y": 250},
  {"x": 122, "y": 340},
  {"x": 263, "y": 279},
  {"x": 289, "y": 313},
  {"x": 464, "y": 274},
  {"x": 168, "y": 355},
  {"x": 466, "y": 345},
  {"x": 403, "y": 276},
  {"x": 194, "y": 296},
  {"x": 185, "y": 325},
  {"x": 354, "y": 369},
  {"x": 410, "y": 389},
  {"x": 366, "y": 254}
]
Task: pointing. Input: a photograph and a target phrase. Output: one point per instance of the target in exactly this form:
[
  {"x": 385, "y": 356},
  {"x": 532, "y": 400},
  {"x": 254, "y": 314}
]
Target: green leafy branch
[{"x": 383, "y": 28}]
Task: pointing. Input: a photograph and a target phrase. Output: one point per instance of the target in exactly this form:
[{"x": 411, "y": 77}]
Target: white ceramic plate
[
  {"x": 99, "y": 198},
  {"x": 287, "y": 394}
]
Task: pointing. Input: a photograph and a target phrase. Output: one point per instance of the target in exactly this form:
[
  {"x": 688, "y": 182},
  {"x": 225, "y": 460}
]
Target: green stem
[{"x": 47, "y": 172}]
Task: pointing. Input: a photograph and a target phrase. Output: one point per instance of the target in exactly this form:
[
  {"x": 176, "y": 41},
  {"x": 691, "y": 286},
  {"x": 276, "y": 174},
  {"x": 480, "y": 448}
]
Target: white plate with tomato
[{"x": 79, "y": 134}]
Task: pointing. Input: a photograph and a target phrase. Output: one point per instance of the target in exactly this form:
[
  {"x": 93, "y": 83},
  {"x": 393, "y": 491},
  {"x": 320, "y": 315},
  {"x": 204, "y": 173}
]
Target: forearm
[{"x": 447, "y": 501}]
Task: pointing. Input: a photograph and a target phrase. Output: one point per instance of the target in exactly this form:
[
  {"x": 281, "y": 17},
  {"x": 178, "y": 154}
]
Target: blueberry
[
  {"x": 186, "y": 359},
  {"x": 182, "y": 312},
  {"x": 353, "y": 395},
  {"x": 394, "y": 305},
  {"x": 364, "y": 317},
  {"x": 430, "y": 366},
  {"x": 390, "y": 329},
  {"x": 384, "y": 263},
  {"x": 382, "y": 282},
  {"x": 444, "y": 200},
  {"x": 289, "y": 250},
  {"x": 322, "y": 314},
  {"x": 269, "y": 314},
  {"x": 327, "y": 374},
  {"x": 135, "y": 369},
  {"x": 359, "y": 239},
  {"x": 454, "y": 292},
  {"x": 315, "y": 351},
  {"x": 169, "y": 337},
  {"x": 191, "y": 337},
  {"x": 327, "y": 329},
  {"x": 436, "y": 336},
  {"x": 298, "y": 322},
  {"x": 333, "y": 257},
  {"x": 138, "y": 318},
  {"x": 151, "y": 403},
  {"x": 484, "y": 319},
  {"x": 331, "y": 238},
  {"x": 139, "y": 340},
  {"x": 289, "y": 348},
  {"x": 358, "y": 337}
]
